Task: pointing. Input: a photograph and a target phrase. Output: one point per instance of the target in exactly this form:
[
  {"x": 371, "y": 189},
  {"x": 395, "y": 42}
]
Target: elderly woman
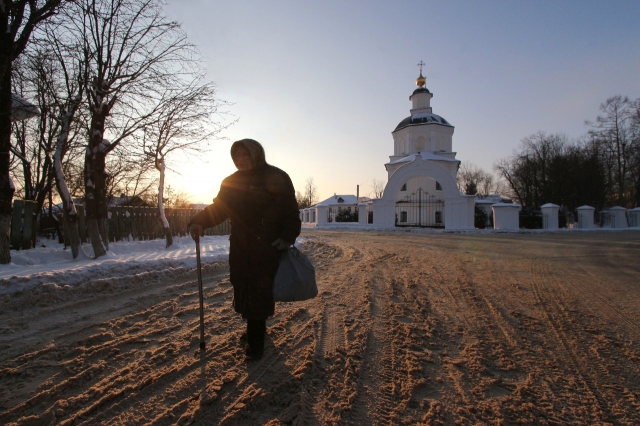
[{"x": 260, "y": 202}]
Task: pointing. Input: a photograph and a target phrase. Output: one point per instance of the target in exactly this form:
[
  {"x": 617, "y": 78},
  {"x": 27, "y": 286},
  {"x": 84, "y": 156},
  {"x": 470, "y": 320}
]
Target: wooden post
[
  {"x": 16, "y": 224},
  {"x": 112, "y": 227},
  {"x": 82, "y": 224},
  {"x": 122, "y": 229},
  {"x": 146, "y": 218},
  {"x": 65, "y": 232},
  {"x": 135, "y": 229},
  {"x": 28, "y": 223},
  {"x": 155, "y": 223}
]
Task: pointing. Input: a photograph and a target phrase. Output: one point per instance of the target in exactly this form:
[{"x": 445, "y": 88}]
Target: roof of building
[
  {"x": 338, "y": 199},
  {"x": 21, "y": 109},
  {"x": 425, "y": 156},
  {"x": 422, "y": 118},
  {"x": 492, "y": 199},
  {"x": 127, "y": 201}
]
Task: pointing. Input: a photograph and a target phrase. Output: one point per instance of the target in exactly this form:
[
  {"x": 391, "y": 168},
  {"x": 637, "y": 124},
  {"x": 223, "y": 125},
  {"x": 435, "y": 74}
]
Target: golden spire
[{"x": 421, "y": 81}]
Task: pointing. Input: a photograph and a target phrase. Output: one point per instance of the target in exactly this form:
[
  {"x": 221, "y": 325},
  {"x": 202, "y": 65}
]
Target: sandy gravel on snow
[{"x": 408, "y": 328}]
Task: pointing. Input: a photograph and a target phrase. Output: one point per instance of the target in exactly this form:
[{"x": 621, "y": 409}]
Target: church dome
[{"x": 422, "y": 118}]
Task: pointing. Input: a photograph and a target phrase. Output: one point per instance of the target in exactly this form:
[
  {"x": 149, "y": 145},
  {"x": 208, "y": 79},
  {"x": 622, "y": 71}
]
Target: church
[{"x": 421, "y": 189}]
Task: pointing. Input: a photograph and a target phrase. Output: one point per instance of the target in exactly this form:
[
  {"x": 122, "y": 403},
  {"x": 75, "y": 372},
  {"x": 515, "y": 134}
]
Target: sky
[{"x": 323, "y": 84}]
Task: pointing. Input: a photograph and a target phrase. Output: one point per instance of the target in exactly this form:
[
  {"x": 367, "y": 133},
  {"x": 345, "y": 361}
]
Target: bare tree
[
  {"x": 475, "y": 180},
  {"x": 377, "y": 186},
  {"x": 310, "y": 196},
  {"x": 508, "y": 169},
  {"x": 184, "y": 123},
  {"x": 528, "y": 171},
  {"x": 130, "y": 175},
  {"x": 613, "y": 132},
  {"x": 468, "y": 177},
  {"x": 133, "y": 54},
  {"x": 18, "y": 19},
  {"x": 35, "y": 139},
  {"x": 63, "y": 74}
]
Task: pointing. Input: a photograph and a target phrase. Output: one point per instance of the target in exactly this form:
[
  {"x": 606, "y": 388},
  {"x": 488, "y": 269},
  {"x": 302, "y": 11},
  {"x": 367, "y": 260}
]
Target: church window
[
  {"x": 404, "y": 187},
  {"x": 403, "y": 217},
  {"x": 438, "y": 186}
]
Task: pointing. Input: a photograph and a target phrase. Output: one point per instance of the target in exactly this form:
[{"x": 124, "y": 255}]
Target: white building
[
  {"x": 422, "y": 189},
  {"x": 326, "y": 211}
]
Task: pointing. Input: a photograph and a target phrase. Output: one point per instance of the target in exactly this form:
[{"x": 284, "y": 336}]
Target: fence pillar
[
  {"x": 586, "y": 217},
  {"x": 362, "y": 213},
  {"x": 550, "y": 216},
  {"x": 321, "y": 215},
  {"x": 618, "y": 217},
  {"x": 634, "y": 217},
  {"x": 506, "y": 216}
]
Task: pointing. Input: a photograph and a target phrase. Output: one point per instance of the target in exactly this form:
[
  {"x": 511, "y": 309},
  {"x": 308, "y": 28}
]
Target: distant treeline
[{"x": 600, "y": 169}]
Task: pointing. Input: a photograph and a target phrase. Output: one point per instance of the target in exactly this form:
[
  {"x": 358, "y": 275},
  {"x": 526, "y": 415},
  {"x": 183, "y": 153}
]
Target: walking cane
[{"x": 197, "y": 239}]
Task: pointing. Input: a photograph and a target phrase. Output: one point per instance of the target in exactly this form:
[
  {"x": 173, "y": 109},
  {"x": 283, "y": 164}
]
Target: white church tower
[
  {"x": 422, "y": 131},
  {"x": 422, "y": 190}
]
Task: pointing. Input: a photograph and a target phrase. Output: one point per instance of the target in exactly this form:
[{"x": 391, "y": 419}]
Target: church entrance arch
[{"x": 420, "y": 209}]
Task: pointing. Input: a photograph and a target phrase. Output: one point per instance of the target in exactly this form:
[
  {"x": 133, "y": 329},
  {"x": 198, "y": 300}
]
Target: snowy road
[{"x": 408, "y": 328}]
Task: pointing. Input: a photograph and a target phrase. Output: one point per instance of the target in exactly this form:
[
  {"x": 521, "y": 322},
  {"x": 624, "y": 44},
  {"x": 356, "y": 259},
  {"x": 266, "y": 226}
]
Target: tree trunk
[
  {"x": 6, "y": 185},
  {"x": 165, "y": 223},
  {"x": 96, "y": 203},
  {"x": 69, "y": 213},
  {"x": 95, "y": 183},
  {"x": 167, "y": 234},
  {"x": 69, "y": 209}
]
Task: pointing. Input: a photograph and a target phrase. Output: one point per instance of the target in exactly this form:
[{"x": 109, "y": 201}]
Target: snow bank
[{"x": 50, "y": 268}]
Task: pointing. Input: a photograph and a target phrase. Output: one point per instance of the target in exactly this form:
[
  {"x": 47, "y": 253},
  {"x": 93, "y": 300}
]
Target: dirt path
[{"x": 408, "y": 328}]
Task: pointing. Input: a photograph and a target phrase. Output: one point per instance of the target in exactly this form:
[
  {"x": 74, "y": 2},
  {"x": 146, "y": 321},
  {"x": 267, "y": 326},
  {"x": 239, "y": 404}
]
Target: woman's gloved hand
[
  {"x": 195, "y": 231},
  {"x": 280, "y": 244}
]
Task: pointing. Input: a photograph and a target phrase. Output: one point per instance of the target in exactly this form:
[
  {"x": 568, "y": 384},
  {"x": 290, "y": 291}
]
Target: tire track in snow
[
  {"x": 550, "y": 302},
  {"x": 376, "y": 388}
]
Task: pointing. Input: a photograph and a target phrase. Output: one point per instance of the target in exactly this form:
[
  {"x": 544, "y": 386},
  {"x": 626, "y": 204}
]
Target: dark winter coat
[{"x": 261, "y": 206}]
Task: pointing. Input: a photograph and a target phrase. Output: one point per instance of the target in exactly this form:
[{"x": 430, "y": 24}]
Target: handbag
[{"x": 296, "y": 277}]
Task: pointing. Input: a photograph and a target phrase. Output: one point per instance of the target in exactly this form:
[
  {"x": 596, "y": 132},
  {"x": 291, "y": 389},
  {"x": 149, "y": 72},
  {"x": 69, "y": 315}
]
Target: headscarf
[{"x": 255, "y": 150}]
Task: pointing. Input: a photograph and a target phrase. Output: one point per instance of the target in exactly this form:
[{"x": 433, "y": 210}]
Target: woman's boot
[{"x": 255, "y": 338}]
